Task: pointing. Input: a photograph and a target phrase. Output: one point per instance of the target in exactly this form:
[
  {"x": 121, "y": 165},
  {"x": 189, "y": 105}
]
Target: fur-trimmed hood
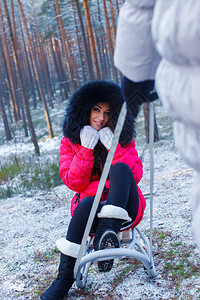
[{"x": 81, "y": 102}]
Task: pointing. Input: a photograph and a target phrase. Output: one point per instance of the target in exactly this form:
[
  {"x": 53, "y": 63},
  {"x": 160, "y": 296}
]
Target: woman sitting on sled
[{"x": 89, "y": 123}]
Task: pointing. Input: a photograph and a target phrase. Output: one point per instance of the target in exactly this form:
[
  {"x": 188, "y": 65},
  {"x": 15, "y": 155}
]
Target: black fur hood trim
[{"x": 81, "y": 102}]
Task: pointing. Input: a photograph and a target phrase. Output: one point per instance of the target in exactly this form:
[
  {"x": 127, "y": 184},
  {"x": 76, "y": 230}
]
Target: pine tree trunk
[
  {"x": 7, "y": 78},
  {"x": 85, "y": 44},
  {"x": 117, "y": 5},
  {"x": 79, "y": 44},
  {"x": 43, "y": 60},
  {"x": 31, "y": 128},
  {"x": 65, "y": 39},
  {"x": 51, "y": 70},
  {"x": 24, "y": 117},
  {"x": 36, "y": 71},
  {"x": 8, "y": 60},
  {"x": 32, "y": 81},
  {"x": 5, "y": 120},
  {"x": 110, "y": 40},
  {"x": 91, "y": 39},
  {"x": 45, "y": 70},
  {"x": 59, "y": 71},
  {"x": 63, "y": 75},
  {"x": 113, "y": 19},
  {"x": 15, "y": 41},
  {"x": 61, "y": 27},
  {"x": 101, "y": 45}
]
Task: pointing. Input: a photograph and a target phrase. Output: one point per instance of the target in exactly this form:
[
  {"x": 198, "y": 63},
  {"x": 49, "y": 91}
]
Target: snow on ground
[{"x": 31, "y": 225}]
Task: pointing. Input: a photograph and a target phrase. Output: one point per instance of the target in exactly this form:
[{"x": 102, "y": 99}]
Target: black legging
[{"x": 123, "y": 192}]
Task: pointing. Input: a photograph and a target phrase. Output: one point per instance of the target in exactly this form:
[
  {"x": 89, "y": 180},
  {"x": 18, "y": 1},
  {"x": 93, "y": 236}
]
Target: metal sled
[
  {"x": 142, "y": 253},
  {"x": 139, "y": 246}
]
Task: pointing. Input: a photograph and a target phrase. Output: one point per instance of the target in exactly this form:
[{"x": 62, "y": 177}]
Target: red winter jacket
[{"x": 76, "y": 165}]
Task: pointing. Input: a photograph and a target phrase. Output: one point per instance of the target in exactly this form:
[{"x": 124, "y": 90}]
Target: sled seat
[{"x": 133, "y": 243}]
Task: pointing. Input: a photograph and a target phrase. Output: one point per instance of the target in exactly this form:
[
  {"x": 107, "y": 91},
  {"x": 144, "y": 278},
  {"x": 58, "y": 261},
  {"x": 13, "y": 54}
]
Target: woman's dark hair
[{"x": 100, "y": 154}]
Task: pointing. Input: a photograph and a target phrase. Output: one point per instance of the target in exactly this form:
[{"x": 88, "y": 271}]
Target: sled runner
[{"x": 138, "y": 241}]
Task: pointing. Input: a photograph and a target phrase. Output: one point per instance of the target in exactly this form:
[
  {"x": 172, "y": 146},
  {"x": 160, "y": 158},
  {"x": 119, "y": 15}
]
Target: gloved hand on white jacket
[{"x": 89, "y": 137}]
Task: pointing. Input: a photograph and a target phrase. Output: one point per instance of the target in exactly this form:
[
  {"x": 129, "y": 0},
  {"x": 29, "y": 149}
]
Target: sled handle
[{"x": 151, "y": 150}]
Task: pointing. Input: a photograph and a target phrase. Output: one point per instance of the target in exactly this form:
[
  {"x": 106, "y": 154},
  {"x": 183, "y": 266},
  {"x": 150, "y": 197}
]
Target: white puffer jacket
[
  {"x": 135, "y": 54},
  {"x": 176, "y": 33},
  {"x": 176, "y": 36}
]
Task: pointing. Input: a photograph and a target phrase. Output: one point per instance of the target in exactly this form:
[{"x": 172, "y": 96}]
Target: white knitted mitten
[
  {"x": 106, "y": 137},
  {"x": 89, "y": 137}
]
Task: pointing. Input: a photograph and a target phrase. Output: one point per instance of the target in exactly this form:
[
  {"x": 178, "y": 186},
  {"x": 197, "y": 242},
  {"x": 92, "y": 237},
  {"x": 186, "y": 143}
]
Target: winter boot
[
  {"x": 63, "y": 282},
  {"x": 111, "y": 219},
  {"x": 106, "y": 238}
]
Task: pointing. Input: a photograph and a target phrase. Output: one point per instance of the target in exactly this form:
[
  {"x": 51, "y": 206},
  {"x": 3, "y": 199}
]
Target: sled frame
[
  {"x": 142, "y": 253},
  {"x": 85, "y": 255}
]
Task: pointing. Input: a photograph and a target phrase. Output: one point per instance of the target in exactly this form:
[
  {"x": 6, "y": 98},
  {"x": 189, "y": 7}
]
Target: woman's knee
[
  {"x": 86, "y": 203},
  {"x": 121, "y": 168},
  {"x": 120, "y": 172}
]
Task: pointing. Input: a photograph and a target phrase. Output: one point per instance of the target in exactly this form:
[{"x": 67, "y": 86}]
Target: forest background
[{"x": 47, "y": 50}]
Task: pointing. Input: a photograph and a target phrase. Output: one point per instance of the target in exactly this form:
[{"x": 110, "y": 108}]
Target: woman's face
[{"x": 99, "y": 115}]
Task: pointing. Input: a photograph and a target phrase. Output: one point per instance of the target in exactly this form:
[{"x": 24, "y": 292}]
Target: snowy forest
[{"x": 48, "y": 49}]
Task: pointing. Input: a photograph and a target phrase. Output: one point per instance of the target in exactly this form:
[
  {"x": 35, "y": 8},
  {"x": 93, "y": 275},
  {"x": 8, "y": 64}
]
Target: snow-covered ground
[{"x": 31, "y": 225}]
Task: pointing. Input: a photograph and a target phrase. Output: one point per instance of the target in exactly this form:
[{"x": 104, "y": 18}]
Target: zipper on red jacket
[{"x": 77, "y": 197}]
